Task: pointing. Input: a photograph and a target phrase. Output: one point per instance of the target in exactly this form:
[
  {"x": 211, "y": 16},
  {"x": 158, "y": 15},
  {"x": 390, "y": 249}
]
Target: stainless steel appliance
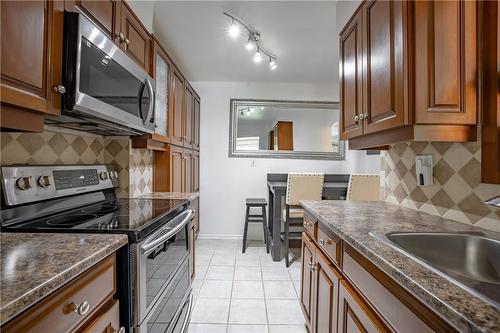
[
  {"x": 103, "y": 91},
  {"x": 154, "y": 278}
]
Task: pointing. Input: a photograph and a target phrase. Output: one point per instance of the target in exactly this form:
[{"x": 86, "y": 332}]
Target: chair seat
[{"x": 295, "y": 213}]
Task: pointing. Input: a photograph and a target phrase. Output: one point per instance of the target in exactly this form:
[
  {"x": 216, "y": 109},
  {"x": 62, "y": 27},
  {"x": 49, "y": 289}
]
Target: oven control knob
[
  {"x": 44, "y": 181},
  {"x": 104, "y": 175},
  {"x": 24, "y": 183},
  {"x": 113, "y": 175}
]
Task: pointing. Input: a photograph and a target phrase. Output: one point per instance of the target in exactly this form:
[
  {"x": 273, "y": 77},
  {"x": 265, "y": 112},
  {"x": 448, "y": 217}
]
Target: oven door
[
  {"x": 101, "y": 81},
  {"x": 160, "y": 263}
]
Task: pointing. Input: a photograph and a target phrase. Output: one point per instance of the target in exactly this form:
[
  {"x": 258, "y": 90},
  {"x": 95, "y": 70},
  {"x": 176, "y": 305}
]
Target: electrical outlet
[
  {"x": 423, "y": 168},
  {"x": 253, "y": 164}
]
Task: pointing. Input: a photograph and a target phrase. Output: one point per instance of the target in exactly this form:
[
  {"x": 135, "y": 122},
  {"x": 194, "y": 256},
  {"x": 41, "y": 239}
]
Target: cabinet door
[
  {"x": 176, "y": 169},
  {"x": 307, "y": 277},
  {"x": 107, "y": 322},
  {"x": 187, "y": 122},
  {"x": 188, "y": 170},
  {"x": 351, "y": 78},
  {"x": 445, "y": 62},
  {"x": 384, "y": 72},
  {"x": 325, "y": 296},
  {"x": 102, "y": 12},
  {"x": 354, "y": 315},
  {"x": 161, "y": 73},
  {"x": 196, "y": 171},
  {"x": 196, "y": 122},
  {"x": 137, "y": 40},
  {"x": 176, "y": 108},
  {"x": 31, "y": 55}
]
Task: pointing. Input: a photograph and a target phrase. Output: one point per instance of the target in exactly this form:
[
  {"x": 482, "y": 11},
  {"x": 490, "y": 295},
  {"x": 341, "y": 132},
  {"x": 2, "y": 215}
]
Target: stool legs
[
  {"x": 264, "y": 228},
  {"x": 287, "y": 243},
  {"x": 245, "y": 231}
]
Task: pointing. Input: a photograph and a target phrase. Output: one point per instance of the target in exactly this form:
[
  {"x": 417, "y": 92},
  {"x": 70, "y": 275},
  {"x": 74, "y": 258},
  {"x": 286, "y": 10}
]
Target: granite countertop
[
  {"x": 170, "y": 195},
  {"x": 33, "y": 265},
  {"x": 353, "y": 221}
]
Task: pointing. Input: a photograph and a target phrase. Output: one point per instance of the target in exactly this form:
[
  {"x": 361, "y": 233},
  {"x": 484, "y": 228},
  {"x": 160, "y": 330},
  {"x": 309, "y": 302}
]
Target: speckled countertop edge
[
  {"x": 55, "y": 263},
  {"x": 170, "y": 195},
  {"x": 353, "y": 222}
]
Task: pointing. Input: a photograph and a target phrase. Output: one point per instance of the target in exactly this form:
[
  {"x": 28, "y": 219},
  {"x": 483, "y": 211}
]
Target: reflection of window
[{"x": 247, "y": 143}]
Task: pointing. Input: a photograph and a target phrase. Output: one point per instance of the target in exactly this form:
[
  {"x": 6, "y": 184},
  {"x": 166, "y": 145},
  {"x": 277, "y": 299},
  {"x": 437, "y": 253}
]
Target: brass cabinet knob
[
  {"x": 356, "y": 118},
  {"x": 120, "y": 36},
  {"x": 120, "y": 330},
  {"x": 322, "y": 242}
]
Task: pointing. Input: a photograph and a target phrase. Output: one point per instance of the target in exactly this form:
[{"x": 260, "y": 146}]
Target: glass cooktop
[{"x": 135, "y": 217}]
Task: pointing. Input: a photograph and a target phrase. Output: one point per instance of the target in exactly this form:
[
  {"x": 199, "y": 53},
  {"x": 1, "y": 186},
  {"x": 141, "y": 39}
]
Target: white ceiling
[{"x": 302, "y": 34}]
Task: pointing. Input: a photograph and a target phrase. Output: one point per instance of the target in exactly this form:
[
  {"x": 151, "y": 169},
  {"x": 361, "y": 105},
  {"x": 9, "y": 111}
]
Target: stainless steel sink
[{"x": 470, "y": 259}]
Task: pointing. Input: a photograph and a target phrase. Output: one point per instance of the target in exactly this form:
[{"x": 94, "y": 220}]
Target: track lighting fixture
[{"x": 252, "y": 42}]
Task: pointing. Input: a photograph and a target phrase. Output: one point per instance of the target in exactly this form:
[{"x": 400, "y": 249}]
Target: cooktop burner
[{"x": 135, "y": 217}]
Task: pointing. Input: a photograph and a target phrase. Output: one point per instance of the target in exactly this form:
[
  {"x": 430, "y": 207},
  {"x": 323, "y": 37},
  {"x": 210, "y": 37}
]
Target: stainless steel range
[{"x": 155, "y": 281}]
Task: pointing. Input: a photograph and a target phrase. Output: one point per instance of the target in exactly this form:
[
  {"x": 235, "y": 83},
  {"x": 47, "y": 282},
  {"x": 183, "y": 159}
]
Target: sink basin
[{"x": 472, "y": 260}]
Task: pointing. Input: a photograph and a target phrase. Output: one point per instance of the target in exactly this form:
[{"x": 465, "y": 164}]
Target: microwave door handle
[
  {"x": 150, "y": 245},
  {"x": 152, "y": 103}
]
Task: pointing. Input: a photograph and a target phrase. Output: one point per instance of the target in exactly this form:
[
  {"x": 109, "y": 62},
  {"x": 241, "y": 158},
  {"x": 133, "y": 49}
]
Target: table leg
[{"x": 277, "y": 225}]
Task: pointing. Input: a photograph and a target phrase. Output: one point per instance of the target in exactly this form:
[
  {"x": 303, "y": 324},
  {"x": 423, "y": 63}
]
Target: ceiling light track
[{"x": 253, "y": 41}]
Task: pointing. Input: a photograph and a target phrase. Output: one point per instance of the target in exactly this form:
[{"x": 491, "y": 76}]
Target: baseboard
[{"x": 216, "y": 236}]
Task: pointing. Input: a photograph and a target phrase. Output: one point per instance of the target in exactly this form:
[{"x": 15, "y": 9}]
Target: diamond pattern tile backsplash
[
  {"x": 62, "y": 146},
  {"x": 457, "y": 192}
]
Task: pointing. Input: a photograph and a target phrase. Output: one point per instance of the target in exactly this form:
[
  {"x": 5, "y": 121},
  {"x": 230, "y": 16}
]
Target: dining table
[{"x": 334, "y": 188}]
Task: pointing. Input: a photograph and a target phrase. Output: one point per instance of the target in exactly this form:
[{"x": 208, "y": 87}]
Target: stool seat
[{"x": 257, "y": 202}]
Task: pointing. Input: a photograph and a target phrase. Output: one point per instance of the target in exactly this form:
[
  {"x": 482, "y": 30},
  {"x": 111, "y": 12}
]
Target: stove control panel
[{"x": 24, "y": 184}]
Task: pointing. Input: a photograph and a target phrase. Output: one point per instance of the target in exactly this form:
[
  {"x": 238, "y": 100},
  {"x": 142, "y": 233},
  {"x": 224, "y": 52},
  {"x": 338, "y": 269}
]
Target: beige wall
[
  {"x": 457, "y": 192},
  {"x": 61, "y": 146}
]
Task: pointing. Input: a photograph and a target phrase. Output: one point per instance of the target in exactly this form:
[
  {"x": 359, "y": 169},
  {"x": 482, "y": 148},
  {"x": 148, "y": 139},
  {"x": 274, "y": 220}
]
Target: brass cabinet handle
[
  {"x": 120, "y": 36},
  {"x": 60, "y": 89},
  {"x": 126, "y": 41},
  {"x": 322, "y": 242},
  {"x": 120, "y": 330},
  {"x": 82, "y": 309},
  {"x": 356, "y": 118}
]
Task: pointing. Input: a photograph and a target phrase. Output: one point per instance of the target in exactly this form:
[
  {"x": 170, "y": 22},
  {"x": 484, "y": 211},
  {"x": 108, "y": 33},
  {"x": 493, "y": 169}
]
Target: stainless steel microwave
[{"x": 103, "y": 90}]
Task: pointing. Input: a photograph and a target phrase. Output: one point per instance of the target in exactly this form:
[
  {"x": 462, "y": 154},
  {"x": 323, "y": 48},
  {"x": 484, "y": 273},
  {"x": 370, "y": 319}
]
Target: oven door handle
[
  {"x": 152, "y": 242},
  {"x": 152, "y": 104},
  {"x": 188, "y": 317}
]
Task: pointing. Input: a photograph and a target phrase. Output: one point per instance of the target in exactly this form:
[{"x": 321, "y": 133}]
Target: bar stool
[
  {"x": 259, "y": 218},
  {"x": 300, "y": 186},
  {"x": 363, "y": 187}
]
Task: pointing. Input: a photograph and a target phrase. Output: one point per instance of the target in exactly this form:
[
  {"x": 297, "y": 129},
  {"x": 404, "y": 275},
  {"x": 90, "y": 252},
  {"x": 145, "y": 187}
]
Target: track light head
[
  {"x": 250, "y": 44},
  {"x": 272, "y": 63},
  {"x": 234, "y": 29},
  {"x": 257, "y": 58}
]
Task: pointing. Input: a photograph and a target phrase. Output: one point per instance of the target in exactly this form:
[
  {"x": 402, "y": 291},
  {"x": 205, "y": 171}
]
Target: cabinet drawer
[
  {"x": 65, "y": 310},
  {"x": 331, "y": 245},
  {"x": 310, "y": 224},
  {"x": 396, "y": 313}
]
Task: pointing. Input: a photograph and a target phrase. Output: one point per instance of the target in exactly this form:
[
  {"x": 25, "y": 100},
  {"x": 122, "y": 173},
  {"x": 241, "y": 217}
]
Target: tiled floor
[{"x": 240, "y": 293}]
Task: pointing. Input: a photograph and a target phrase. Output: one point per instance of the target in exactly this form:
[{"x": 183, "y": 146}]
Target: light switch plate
[{"x": 423, "y": 168}]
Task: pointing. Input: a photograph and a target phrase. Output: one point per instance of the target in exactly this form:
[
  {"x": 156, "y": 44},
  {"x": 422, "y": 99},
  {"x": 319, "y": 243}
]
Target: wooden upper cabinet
[
  {"x": 176, "y": 108},
  {"x": 384, "y": 65},
  {"x": 445, "y": 62},
  {"x": 326, "y": 288},
  {"x": 354, "y": 314},
  {"x": 195, "y": 171},
  {"x": 187, "y": 156},
  {"x": 187, "y": 122},
  {"x": 161, "y": 66},
  {"x": 351, "y": 71},
  {"x": 196, "y": 122},
  {"x": 102, "y": 12},
  {"x": 177, "y": 173},
  {"x": 137, "y": 41},
  {"x": 31, "y": 55}
]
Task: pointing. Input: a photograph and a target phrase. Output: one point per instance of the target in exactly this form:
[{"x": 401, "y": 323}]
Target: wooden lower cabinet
[
  {"x": 354, "y": 315},
  {"x": 325, "y": 291},
  {"x": 107, "y": 322},
  {"x": 307, "y": 278},
  {"x": 85, "y": 304}
]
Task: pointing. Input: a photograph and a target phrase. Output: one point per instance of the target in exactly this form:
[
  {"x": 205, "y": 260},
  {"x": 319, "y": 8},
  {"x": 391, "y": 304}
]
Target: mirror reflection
[{"x": 285, "y": 129}]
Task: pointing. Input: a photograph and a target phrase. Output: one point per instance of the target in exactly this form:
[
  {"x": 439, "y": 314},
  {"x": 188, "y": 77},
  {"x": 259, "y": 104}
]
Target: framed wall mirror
[{"x": 285, "y": 129}]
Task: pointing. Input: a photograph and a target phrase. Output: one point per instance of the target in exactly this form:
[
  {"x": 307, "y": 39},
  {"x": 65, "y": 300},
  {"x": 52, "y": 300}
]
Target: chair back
[
  {"x": 363, "y": 187},
  {"x": 303, "y": 186}
]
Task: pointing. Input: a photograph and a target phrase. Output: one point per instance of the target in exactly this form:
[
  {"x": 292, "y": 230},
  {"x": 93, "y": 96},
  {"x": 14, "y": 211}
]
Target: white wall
[
  {"x": 226, "y": 182},
  {"x": 144, "y": 9}
]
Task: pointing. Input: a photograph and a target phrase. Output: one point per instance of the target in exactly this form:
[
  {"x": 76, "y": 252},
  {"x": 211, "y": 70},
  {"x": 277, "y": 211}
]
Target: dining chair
[
  {"x": 363, "y": 187},
  {"x": 300, "y": 186}
]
